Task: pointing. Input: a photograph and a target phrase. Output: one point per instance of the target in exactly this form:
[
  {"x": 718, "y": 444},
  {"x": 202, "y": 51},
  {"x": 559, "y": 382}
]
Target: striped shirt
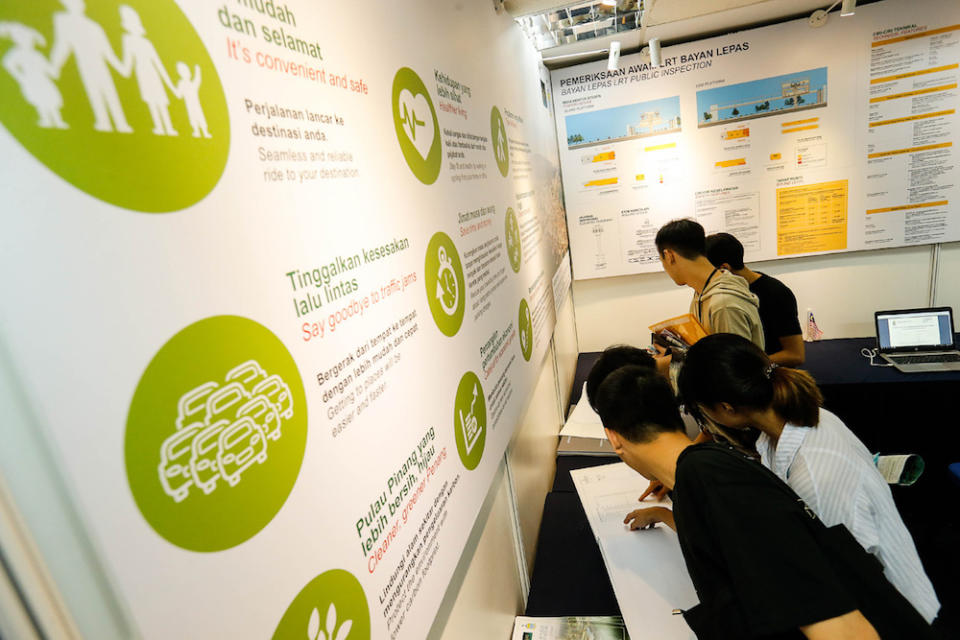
[{"x": 833, "y": 472}]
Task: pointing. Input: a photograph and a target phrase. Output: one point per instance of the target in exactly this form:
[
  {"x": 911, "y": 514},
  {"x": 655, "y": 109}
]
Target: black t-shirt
[
  {"x": 751, "y": 560},
  {"x": 762, "y": 562},
  {"x": 778, "y": 311}
]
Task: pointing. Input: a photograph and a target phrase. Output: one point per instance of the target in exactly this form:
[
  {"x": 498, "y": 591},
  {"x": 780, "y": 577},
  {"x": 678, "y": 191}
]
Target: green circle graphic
[
  {"x": 331, "y": 607},
  {"x": 119, "y": 98},
  {"x": 525, "y": 330},
  {"x": 512, "y": 239},
  {"x": 470, "y": 420},
  {"x": 415, "y": 120},
  {"x": 216, "y": 433},
  {"x": 446, "y": 290},
  {"x": 498, "y": 142}
]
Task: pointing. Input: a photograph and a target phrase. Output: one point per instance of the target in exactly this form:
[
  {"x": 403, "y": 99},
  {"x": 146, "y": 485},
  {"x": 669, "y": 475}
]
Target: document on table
[
  {"x": 583, "y": 421},
  {"x": 646, "y": 568}
]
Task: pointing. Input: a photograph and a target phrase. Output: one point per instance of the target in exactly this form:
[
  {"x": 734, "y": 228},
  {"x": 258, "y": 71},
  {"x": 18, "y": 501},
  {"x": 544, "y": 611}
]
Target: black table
[{"x": 892, "y": 412}]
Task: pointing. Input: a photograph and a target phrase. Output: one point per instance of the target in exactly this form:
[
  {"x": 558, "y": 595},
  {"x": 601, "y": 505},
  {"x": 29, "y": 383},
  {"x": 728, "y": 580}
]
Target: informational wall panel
[
  {"x": 797, "y": 140},
  {"x": 280, "y": 281}
]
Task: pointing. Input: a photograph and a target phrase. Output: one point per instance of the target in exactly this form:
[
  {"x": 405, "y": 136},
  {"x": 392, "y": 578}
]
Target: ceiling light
[
  {"x": 848, "y": 7},
  {"x": 654, "y": 52},
  {"x": 614, "y": 55}
]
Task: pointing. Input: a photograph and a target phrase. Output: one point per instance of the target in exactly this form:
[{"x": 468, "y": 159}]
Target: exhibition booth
[{"x": 296, "y": 290}]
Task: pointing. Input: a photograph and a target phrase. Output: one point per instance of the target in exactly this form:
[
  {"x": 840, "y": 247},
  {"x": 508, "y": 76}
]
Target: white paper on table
[
  {"x": 646, "y": 568},
  {"x": 583, "y": 421}
]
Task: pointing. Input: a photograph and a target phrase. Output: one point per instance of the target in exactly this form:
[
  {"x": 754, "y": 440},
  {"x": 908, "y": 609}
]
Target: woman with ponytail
[{"x": 729, "y": 384}]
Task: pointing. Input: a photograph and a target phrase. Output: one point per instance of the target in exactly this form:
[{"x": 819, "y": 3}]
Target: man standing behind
[
  {"x": 722, "y": 302},
  {"x": 778, "y": 306}
]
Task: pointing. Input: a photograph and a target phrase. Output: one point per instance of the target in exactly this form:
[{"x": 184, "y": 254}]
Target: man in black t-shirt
[
  {"x": 778, "y": 306},
  {"x": 761, "y": 570}
]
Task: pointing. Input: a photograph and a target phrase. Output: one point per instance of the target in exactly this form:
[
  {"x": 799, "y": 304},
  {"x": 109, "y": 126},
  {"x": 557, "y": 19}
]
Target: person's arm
[
  {"x": 646, "y": 518},
  {"x": 792, "y": 352},
  {"x": 849, "y": 626}
]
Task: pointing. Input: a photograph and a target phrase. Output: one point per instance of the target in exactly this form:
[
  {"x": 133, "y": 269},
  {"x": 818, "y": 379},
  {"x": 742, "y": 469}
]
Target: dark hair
[
  {"x": 724, "y": 248},
  {"x": 638, "y": 403},
  {"x": 612, "y": 359},
  {"x": 724, "y": 367},
  {"x": 685, "y": 236}
]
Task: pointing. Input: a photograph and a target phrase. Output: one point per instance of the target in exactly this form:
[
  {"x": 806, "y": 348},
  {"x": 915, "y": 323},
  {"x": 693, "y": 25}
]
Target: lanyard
[{"x": 700, "y": 297}]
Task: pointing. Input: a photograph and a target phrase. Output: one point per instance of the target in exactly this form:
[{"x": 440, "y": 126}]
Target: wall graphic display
[
  {"x": 280, "y": 405},
  {"x": 796, "y": 140}
]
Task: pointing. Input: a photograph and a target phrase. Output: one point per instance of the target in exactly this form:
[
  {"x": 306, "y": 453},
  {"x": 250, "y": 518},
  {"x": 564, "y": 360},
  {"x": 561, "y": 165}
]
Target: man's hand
[
  {"x": 662, "y": 360},
  {"x": 646, "y": 518},
  {"x": 656, "y": 489}
]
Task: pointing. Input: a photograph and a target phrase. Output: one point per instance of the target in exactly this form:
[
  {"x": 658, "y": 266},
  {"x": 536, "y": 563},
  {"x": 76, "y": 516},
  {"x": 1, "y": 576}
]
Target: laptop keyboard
[{"x": 928, "y": 359}]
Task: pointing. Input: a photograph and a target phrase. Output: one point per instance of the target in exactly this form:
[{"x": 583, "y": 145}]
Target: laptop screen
[{"x": 930, "y": 328}]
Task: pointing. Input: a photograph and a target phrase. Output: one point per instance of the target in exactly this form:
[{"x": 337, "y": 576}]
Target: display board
[
  {"x": 280, "y": 280},
  {"x": 796, "y": 140}
]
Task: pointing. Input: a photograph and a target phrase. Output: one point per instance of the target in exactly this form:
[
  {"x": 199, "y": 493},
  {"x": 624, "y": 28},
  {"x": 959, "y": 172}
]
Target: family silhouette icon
[{"x": 78, "y": 37}]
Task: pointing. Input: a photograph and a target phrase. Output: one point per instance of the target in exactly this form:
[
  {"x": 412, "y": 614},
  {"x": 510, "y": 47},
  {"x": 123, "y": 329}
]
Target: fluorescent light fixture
[
  {"x": 848, "y": 7},
  {"x": 654, "y": 52},
  {"x": 608, "y": 3},
  {"x": 614, "y": 55}
]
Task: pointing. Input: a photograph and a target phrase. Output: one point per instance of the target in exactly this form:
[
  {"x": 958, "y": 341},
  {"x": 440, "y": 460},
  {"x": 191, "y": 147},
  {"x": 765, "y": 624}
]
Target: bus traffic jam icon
[{"x": 223, "y": 430}]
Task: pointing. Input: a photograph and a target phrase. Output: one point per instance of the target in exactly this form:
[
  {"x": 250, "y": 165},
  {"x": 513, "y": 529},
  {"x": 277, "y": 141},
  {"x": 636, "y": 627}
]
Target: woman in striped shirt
[{"x": 729, "y": 381}]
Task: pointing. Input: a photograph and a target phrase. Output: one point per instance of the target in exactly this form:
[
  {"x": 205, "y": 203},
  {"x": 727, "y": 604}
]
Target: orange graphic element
[
  {"x": 907, "y": 207},
  {"x": 723, "y": 164},
  {"x": 733, "y": 134},
  {"x": 601, "y": 183},
  {"x": 922, "y": 116},
  {"x": 661, "y": 147},
  {"x": 812, "y": 218},
  {"x": 794, "y": 123},
  {"x": 603, "y": 157},
  {"x": 896, "y": 152},
  {"x": 806, "y": 128},
  {"x": 911, "y": 74},
  {"x": 775, "y": 156},
  {"x": 918, "y": 92}
]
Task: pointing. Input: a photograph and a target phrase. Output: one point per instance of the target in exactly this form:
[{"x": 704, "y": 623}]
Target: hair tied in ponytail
[{"x": 768, "y": 371}]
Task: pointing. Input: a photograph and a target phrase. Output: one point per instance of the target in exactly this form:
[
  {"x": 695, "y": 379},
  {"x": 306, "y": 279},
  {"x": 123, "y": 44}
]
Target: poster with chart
[
  {"x": 279, "y": 301},
  {"x": 797, "y": 140}
]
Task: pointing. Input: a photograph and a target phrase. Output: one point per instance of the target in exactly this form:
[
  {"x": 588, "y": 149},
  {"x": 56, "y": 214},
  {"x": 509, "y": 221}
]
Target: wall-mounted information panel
[
  {"x": 797, "y": 140},
  {"x": 279, "y": 280}
]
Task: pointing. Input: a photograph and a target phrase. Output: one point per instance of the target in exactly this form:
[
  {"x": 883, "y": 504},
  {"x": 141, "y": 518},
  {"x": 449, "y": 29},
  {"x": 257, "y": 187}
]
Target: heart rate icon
[
  {"x": 417, "y": 120},
  {"x": 416, "y": 126}
]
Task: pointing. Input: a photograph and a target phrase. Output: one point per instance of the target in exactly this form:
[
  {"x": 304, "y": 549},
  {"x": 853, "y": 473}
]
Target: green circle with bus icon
[
  {"x": 331, "y": 607},
  {"x": 120, "y": 98},
  {"x": 470, "y": 420},
  {"x": 216, "y": 433}
]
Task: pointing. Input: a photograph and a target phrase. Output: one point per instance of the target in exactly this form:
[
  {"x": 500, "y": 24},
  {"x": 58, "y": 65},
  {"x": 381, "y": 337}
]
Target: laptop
[{"x": 915, "y": 340}]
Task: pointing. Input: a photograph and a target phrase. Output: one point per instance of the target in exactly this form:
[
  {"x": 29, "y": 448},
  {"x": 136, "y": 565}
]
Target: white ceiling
[{"x": 674, "y": 21}]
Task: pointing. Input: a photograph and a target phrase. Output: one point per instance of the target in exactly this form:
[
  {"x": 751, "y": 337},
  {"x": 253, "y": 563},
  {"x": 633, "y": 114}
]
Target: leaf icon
[
  {"x": 313, "y": 627},
  {"x": 331, "y": 620},
  {"x": 344, "y": 630}
]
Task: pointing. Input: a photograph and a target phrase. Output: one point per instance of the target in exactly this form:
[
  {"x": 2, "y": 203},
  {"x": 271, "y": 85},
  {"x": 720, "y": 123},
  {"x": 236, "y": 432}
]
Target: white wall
[{"x": 843, "y": 290}]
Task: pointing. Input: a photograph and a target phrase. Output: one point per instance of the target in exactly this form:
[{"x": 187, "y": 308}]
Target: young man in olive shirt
[
  {"x": 783, "y": 338},
  {"x": 759, "y": 569}
]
